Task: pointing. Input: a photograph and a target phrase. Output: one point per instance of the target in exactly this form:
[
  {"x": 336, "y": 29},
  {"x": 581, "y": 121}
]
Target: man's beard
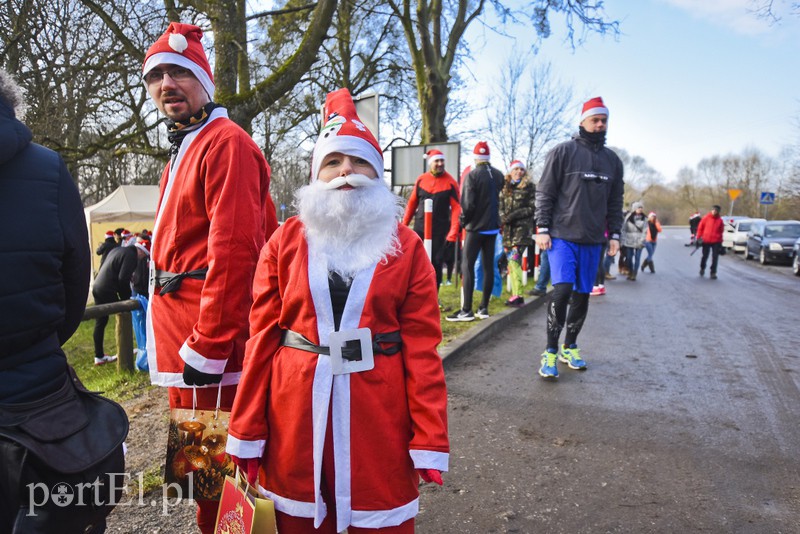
[{"x": 350, "y": 228}]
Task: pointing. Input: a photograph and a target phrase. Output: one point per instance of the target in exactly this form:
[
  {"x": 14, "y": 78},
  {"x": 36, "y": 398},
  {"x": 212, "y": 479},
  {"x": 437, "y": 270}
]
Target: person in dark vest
[{"x": 44, "y": 282}]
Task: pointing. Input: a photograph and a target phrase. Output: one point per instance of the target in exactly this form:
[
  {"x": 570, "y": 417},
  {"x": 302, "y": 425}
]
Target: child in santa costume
[{"x": 342, "y": 399}]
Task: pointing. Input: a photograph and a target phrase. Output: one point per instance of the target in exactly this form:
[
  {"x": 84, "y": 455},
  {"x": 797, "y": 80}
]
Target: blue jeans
[
  {"x": 650, "y": 246},
  {"x": 544, "y": 272},
  {"x": 634, "y": 259}
]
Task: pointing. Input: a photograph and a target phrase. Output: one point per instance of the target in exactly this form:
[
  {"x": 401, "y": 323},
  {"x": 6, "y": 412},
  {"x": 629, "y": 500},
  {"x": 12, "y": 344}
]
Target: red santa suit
[
  {"x": 214, "y": 212},
  {"x": 386, "y": 421}
]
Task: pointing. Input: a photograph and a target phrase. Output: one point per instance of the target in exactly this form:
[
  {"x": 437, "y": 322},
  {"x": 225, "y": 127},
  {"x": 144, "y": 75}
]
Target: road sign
[
  {"x": 767, "y": 198},
  {"x": 734, "y": 193}
]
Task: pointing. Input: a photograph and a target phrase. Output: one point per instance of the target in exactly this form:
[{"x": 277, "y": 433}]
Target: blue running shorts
[{"x": 574, "y": 263}]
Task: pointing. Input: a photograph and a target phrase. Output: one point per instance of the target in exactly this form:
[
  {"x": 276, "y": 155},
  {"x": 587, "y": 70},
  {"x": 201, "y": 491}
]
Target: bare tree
[
  {"x": 435, "y": 29},
  {"x": 532, "y": 115}
]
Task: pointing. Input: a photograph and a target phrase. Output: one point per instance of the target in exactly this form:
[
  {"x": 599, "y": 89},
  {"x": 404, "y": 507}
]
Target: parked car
[
  {"x": 796, "y": 257},
  {"x": 772, "y": 241},
  {"x": 735, "y": 236}
]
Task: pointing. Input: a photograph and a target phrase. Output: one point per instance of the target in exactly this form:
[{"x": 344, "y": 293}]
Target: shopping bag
[
  {"x": 243, "y": 510},
  {"x": 196, "y": 463},
  {"x": 497, "y": 288}
]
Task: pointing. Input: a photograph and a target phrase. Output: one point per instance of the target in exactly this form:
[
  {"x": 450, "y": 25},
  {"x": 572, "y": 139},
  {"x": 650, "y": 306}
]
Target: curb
[{"x": 490, "y": 327}]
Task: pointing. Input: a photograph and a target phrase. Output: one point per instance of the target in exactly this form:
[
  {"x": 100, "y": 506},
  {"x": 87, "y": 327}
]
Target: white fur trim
[
  {"x": 170, "y": 58},
  {"x": 429, "y": 459},
  {"x": 200, "y": 362},
  {"x": 385, "y": 518},
  {"x": 594, "y": 111},
  {"x": 348, "y": 145},
  {"x": 435, "y": 157},
  {"x": 481, "y": 157},
  {"x": 290, "y": 506},
  {"x": 245, "y": 448}
]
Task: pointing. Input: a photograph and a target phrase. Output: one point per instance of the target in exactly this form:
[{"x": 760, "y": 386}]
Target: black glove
[
  {"x": 193, "y": 377},
  {"x": 699, "y": 241}
]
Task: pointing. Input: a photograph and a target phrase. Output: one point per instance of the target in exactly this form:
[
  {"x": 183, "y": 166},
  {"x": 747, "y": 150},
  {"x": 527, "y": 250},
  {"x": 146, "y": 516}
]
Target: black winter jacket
[
  {"x": 480, "y": 195},
  {"x": 580, "y": 191},
  {"x": 116, "y": 274},
  {"x": 44, "y": 263}
]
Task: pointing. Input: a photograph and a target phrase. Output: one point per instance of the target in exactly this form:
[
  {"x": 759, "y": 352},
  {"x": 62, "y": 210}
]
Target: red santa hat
[
  {"x": 516, "y": 164},
  {"x": 345, "y": 133},
  {"x": 110, "y": 234},
  {"x": 143, "y": 244},
  {"x": 126, "y": 233},
  {"x": 651, "y": 214},
  {"x": 434, "y": 155},
  {"x": 594, "y": 106},
  {"x": 181, "y": 45},
  {"x": 481, "y": 151}
]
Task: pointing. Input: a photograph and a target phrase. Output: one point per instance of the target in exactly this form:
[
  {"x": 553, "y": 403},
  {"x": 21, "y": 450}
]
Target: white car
[{"x": 735, "y": 236}]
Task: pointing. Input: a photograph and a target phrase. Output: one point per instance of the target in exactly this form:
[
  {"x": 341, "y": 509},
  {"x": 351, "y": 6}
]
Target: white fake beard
[{"x": 350, "y": 228}]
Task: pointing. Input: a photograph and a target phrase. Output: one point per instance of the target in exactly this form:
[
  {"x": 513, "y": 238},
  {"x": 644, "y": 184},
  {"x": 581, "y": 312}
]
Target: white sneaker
[{"x": 105, "y": 359}]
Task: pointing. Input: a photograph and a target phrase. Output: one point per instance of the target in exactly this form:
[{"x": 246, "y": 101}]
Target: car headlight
[{"x": 775, "y": 247}]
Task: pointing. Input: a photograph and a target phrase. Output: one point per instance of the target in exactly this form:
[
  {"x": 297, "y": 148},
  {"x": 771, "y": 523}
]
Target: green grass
[
  {"x": 450, "y": 296},
  {"x": 115, "y": 384}
]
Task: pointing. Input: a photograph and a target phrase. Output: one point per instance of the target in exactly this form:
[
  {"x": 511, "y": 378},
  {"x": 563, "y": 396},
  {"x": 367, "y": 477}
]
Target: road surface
[{"x": 685, "y": 421}]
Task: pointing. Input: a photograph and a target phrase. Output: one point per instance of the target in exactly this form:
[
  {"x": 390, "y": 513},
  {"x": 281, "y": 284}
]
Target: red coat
[
  {"x": 443, "y": 190},
  {"x": 386, "y": 421},
  {"x": 215, "y": 211},
  {"x": 711, "y": 229}
]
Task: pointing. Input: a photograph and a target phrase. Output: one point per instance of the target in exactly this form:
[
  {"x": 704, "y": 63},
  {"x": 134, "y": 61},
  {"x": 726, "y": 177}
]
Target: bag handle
[{"x": 194, "y": 401}]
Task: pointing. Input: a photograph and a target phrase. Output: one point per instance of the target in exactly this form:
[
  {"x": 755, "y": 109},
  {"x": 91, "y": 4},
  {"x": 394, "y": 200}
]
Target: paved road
[{"x": 685, "y": 421}]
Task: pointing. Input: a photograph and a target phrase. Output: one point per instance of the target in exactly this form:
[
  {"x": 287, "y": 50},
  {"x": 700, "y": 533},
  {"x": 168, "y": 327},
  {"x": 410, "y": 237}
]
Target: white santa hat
[
  {"x": 434, "y": 155},
  {"x": 344, "y": 132},
  {"x": 181, "y": 45},
  {"x": 594, "y": 106}
]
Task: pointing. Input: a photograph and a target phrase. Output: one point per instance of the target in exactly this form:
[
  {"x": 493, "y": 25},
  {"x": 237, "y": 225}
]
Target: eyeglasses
[{"x": 178, "y": 74}]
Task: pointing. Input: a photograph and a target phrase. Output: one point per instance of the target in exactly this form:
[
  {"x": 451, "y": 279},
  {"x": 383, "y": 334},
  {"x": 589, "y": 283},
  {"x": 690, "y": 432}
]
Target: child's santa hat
[
  {"x": 345, "y": 133},
  {"x": 434, "y": 155},
  {"x": 481, "y": 151},
  {"x": 181, "y": 45},
  {"x": 594, "y": 106}
]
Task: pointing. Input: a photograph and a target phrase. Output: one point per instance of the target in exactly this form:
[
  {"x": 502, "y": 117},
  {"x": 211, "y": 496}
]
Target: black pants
[
  {"x": 473, "y": 244},
  {"x": 714, "y": 249},
  {"x": 100, "y": 323}
]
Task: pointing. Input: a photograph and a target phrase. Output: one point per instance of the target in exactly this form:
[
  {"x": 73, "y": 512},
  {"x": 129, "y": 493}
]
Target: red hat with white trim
[
  {"x": 434, "y": 155},
  {"x": 110, "y": 234},
  {"x": 594, "y": 106},
  {"x": 181, "y": 45},
  {"x": 516, "y": 164},
  {"x": 345, "y": 133},
  {"x": 143, "y": 244},
  {"x": 126, "y": 233},
  {"x": 481, "y": 151}
]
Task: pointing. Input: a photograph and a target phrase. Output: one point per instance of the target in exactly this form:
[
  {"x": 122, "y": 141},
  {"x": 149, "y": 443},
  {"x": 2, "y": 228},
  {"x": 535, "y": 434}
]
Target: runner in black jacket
[{"x": 580, "y": 192}]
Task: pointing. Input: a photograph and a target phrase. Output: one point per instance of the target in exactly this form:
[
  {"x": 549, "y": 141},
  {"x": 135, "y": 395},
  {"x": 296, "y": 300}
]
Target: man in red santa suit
[
  {"x": 343, "y": 400},
  {"x": 214, "y": 216}
]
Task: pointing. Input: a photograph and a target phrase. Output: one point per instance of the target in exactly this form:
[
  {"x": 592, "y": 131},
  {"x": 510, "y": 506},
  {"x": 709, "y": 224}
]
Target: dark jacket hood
[{"x": 14, "y": 136}]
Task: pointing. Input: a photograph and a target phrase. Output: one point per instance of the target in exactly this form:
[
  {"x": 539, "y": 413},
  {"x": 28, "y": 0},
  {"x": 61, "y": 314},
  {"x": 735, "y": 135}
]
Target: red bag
[{"x": 243, "y": 510}]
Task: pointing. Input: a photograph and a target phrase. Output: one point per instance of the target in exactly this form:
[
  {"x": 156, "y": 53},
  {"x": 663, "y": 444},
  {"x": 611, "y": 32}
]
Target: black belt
[
  {"x": 170, "y": 282},
  {"x": 352, "y": 349}
]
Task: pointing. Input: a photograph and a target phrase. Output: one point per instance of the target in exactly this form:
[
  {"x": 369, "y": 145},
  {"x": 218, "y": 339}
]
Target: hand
[
  {"x": 193, "y": 377},
  {"x": 613, "y": 247},
  {"x": 544, "y": 242},
  {"x": 248, "y": 466},
  {"x": 431, "y": 475}
]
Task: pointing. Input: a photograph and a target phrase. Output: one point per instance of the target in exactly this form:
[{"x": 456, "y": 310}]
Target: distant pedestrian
[
  {"x": 480, "y": 217},
  {"x": 709, "y": 236},
  {"x": 694, "y": 221},
  {"x": 517, "y": 205},
  {"x": 651, "y": 239},
  {"x": 633, "y": 237},
  {"x": 439, "y": 186},
  {"x": 105, "y": 247},
  {"x": 578, "y": 197}
]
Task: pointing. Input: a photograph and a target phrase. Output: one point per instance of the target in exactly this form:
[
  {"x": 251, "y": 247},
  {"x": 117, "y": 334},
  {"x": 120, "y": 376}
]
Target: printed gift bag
[
  {"x": 242, "y": 510},
  {"x": 197, "y": 463}
]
